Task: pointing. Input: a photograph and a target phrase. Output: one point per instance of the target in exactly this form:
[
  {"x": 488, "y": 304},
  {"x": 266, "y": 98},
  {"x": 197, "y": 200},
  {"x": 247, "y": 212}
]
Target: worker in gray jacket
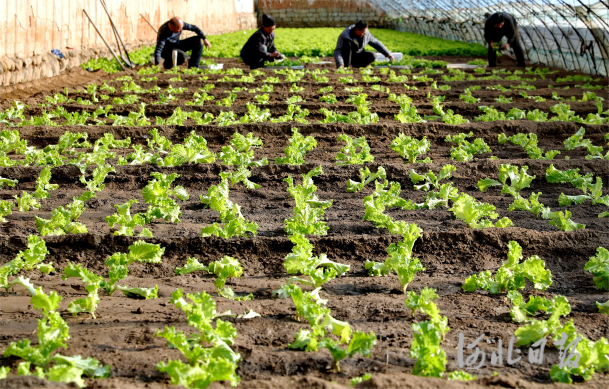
[{"x": 350, "y": 46}]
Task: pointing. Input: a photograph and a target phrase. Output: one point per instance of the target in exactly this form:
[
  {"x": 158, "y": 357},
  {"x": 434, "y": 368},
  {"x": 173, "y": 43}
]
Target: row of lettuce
[{"x": 160, "y": 194}]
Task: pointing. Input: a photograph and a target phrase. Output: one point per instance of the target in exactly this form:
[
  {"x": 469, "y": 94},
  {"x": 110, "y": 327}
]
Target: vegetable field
[{"x": 308, "y": 228}]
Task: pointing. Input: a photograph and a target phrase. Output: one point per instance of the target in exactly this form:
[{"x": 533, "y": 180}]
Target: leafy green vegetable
[
  {"x": 431, "y": 181},
  {"x": 410, "y": 148},
  {"x": 366, "y": 177},
  {"x": 518, "y": 180},
  {"x": 156, "y": 195},
  {"x": 240, "y": 151},
  {"x": 223, "y": 269},
  {"x": 233, "y": 222},
  {"x": 425, "y": 348},
  {"x": 400, "y": 258},
  {"x": 126, "y": 223},
  {"x": 309, "y": 209},
  {"x": 476, "y": 214},
  {"x": 204, "y": 364},
  {"x": 512, "y": 273},
  {"x": 63, "y": 220},
  {"x": 301, "y": 260},
  {"x": 349, "y": 155},
  {"x": 529, "y": 143},
  {"x": 599, "y": 267},
  {"x": 53, "y": 333},
  {"x": 298, "y": 147},
  {"x": 118, "y": 263},
  {"x": 29, "y": 259},
  {"x": 464, "y": 150}
]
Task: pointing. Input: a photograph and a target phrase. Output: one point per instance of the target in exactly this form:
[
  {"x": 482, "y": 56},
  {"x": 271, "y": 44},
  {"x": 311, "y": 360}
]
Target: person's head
[
  {"x": 268, "y": 24},
  {"x": 497, "y": 20},
  {"x": 175, "y": 24},
  {"x": 360, "y": 28}
]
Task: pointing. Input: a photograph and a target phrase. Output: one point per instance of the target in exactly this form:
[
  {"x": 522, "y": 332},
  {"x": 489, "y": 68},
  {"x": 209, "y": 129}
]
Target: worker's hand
[
  {"x": 275, "y": 55},
  {"x": 505, "y": 47},
  {"x": 206, "y": 43},
  {"x": 391, "y": 57}
]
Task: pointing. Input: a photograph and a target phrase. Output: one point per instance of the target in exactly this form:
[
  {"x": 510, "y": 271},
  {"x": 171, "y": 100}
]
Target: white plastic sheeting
[{"x": 571, "y": 34}]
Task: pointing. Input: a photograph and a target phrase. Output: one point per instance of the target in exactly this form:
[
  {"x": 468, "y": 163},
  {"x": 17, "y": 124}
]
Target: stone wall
[
  {"x": 320, "y": 13},
  {"x": 30, "y": 29}
]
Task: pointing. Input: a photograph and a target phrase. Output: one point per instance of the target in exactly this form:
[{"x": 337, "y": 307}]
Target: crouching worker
[
  {"x": 260, "y": 47},
  {"x": 497, "y": 26},
  {"x": 350, "y": 46},
  {"x": 168, "y": 40}
]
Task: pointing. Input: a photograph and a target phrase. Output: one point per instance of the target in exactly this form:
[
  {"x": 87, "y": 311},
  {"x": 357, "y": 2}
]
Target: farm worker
[
  {"x": 168, "y": 40},
  {"x": 260, "y": 47},
  {"x": 350, "y": 46},
  {"x": 497, "y": 26}
]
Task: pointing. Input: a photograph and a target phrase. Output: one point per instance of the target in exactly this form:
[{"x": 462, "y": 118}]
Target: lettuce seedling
[
  {"x": 400, "y": 258},
  {"x": 430, "y": 180},
  {"x": 425, "y": 348},
  {"x": 26, "y": 201},
  {"x": 361, "y": 116},
  {"x": 63, "y": 220},
  {"x": 531, "y": 205},
  {"x": 309, "y": 307},
  {"x": 571, "y": 176},
  {"x": 476, "y": 214},
  {"x": 92, "y": 283},
  {"x": 512, "y": 273},
  {"x": 408, "y": 114},
  {"x": 223, "y": 269},
  {"x": 529, "y": 143},
  {"x": 157, "y": 193},
  {"x": 518, "y": 180},
  {"x": 308, "y": 209},
  {"x": 330, "y": 98},
  {"x": 42, "y": 184},
  {"x": 599, "y": 267},
  {"x": 96, "y": 184},
  {"x": 53, "y": 333},
  {"x": 366, "y": 177},
  {"x": 118, "y": 263},
  {"x": 125, "y": 222},
  {"x": 349, "y": 155},
  {"x": 376, "y": 203},
  {"x": 234, "y": 224},
  {"x": 524, "y": 312},
  {"x": 298, "y": 147},
  {"x": 241, "y": 151},
  {"x": 29, "y": 259},
  {"x": 6, "y": 208},
  {"x": 577, "y": 140},
  {"x": 301, "y": 260},
  {"x": 464, "y": 150},
  {"x": 410, "y": 148},
  {"x": 193, "y": 150},
  {"x": 207, "y": 352}
]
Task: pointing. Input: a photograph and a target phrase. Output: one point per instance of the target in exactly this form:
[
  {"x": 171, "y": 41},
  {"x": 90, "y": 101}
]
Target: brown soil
[{"x": 123, "y": 332}]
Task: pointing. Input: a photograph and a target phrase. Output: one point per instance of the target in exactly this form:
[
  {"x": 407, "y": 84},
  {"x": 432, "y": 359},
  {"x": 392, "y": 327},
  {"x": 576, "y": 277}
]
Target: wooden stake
[
  {"x": 150, "y": 24},
  {"x": 104, "y": 39}
]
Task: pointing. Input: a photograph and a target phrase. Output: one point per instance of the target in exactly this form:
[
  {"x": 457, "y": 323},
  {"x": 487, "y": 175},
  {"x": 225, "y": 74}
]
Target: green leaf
[
  {"x": 598, "y": 265},
  {"x": 67, "y": 374}
]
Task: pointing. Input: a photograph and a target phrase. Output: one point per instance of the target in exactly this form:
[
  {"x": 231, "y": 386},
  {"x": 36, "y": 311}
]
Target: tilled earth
[{"x": 123, "y": 334}]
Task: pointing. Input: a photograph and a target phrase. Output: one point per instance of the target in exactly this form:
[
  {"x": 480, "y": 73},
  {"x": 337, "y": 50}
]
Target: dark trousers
[
  {"x": 515, "y": 45},
  {"x": 352, "y": 58},
  {"x": 193, "y": 43},
  {"x": 256, "y": 60}
]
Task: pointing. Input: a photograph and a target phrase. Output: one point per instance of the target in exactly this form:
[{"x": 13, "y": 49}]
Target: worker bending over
[
  {"x": 168, "y": 39},
  {"x": 497, "y": 26},
  {"x": 350, "y": 46},
  {"x": 260, "y": 47}
]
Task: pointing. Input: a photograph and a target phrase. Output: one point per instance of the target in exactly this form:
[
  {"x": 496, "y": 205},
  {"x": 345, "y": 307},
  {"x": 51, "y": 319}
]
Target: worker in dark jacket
[
  {"x": 260, "y": 47},
  {"x": 350, "y": 46},
  {"x": 168, "y": 39},
  {"x": 497, "y": 26}
]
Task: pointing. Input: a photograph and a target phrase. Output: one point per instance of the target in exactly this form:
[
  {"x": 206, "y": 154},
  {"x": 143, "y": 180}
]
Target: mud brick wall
[
  {"x": 320, "y": 13},
  {"x": 30, "y": 29}
]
